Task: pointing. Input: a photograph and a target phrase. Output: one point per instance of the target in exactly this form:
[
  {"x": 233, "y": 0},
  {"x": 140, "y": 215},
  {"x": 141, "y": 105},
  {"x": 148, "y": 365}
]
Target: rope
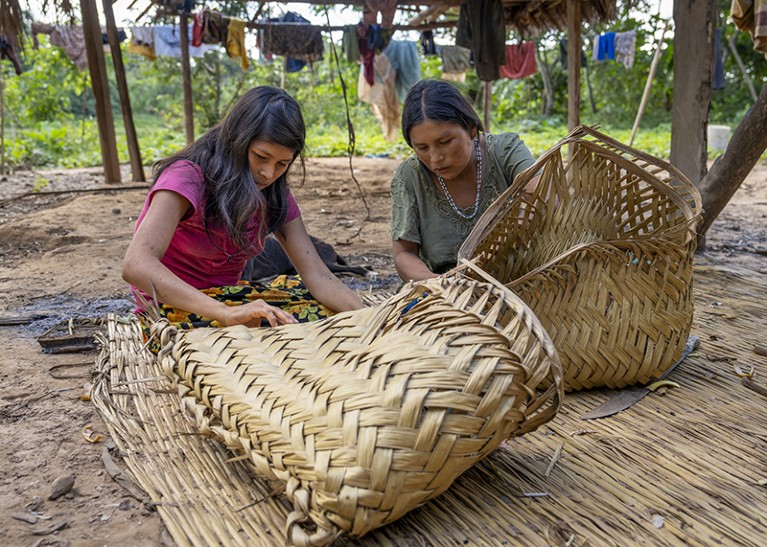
[{"x": 351, "y": 146}]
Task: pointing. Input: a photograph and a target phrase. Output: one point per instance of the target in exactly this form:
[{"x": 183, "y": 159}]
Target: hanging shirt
[
  {"x": 142, "y": 42},
  {"x": 235, "y": 42},
  {"x": 625, "y": 47},
  {"x": 167, "y": 42},
  {"x": 606, "y": 46},
  {"x": 404, "y": 59},
  {"x": 520, "y": 61},
  {"x": 72, "y": 40},
  {"x": 481, "y": 28},
  {"x": 717, "y": 82}
]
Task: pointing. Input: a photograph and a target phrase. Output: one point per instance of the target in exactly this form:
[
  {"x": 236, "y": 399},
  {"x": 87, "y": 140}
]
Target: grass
[{"x": 76, "y": 144}]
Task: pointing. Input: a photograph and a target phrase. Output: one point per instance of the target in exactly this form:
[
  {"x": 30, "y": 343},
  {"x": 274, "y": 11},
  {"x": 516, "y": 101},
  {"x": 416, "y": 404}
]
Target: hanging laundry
[
  {"x": 142, "y": 42},
  {"x": 595, "y": 50},
  {"x": 404, "y": 59},
  {"x": 367, "y": 53},
  {"x": 382, "y": 96},
  {"x": 167, "y": 42},
  {"x": 7, "y": 52},
  {"x": 121, "y": 37},
  {"x": 481, "y": 28},
  {"x": 235, "y": 42},
  {"x": 72, "y": 40},
  {"x": 299, "y": 41},
  {"x": 625, "y": 47},
  {"x": 606, "y": 46},
  {"x": 215, "y": 28},
  {"x": 751, "y": 16},
  {"x": 717, "y": 82},
  {"x": 186, "y": 6},
  {"x": 427, "y": 43},
  {"x": 455, "y": 59},
  {"x": 563, "y": 54},
  {"x": 387, "y": 9},
  {"x": 520, "y": 61},
  {"x": 350, "y": 43}
]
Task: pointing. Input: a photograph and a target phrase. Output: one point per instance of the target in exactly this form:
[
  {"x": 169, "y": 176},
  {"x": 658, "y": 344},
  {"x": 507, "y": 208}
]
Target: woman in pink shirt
[{"x": 209, "y": 210}]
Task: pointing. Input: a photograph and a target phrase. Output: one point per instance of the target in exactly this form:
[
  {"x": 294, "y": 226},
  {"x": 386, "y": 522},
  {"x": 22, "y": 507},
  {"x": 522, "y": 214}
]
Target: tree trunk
[
  {"x": 695, "y": 24},
  {"x": 748, "y": 142},
  {"x": 547, "y": 101}
]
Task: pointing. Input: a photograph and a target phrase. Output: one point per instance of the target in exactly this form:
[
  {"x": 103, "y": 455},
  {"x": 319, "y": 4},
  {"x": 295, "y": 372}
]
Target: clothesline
[{"x": 325, "y": 28}]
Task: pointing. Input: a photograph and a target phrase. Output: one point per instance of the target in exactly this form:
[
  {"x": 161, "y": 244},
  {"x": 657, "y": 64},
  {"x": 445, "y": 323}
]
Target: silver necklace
[{"x": 450, "y": 199}]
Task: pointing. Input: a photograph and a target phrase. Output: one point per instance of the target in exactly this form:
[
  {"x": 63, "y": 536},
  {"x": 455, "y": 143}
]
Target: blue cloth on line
[
  {"x": 717, "y": 81},
  {"x": 404, "y": 59},
  {"x": 606, "y": 46}
]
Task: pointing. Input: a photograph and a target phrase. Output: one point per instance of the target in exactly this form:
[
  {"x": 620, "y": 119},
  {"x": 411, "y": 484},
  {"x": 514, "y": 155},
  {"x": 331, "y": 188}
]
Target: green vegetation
[{"x": 50, "y": 111}]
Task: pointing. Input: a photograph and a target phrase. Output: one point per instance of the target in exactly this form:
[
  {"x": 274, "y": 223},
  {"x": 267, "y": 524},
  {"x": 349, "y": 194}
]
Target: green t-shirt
[{"x": 421, "y": 213}]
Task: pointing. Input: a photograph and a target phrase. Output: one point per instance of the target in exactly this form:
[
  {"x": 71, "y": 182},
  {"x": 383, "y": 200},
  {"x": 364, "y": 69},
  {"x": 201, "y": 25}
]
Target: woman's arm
[
  {"x": 409, "y": 265},
  {"x": 324, "y": 286},
  {"x": 143, "y": 269}
]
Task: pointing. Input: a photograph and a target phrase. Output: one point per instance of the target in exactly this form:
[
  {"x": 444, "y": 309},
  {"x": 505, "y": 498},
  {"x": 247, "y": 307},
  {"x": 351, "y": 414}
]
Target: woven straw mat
[
  {"x": 602, "y": 251},
  {"x": 366, "y": 415}
]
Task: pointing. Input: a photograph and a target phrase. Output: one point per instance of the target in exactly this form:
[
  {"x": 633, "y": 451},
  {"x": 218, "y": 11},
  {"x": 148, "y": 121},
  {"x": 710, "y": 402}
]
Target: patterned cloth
[
  {"x": 72, "y": 40},
  {"x": 625, "y": 47},
  {"x": 751, "y": 16},
  {"x": 285, "y": 292}
]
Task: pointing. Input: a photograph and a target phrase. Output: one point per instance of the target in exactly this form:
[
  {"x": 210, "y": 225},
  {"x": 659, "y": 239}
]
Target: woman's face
[
  {"x": 268, "y": 161},
  {"x": 445, "y": 148}
]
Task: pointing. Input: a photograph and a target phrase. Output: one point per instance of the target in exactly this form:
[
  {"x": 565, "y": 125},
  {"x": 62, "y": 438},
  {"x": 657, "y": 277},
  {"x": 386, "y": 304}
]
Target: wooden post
[
  {"x": 648, "y": 85},
  {"x": 487, "y": 88},
  {"x": 573, "y": 64},
  {"x": 186, "y": 72},
  {"x": 137, "y": 169},
  {"x": 94, "y": 47},
  {"x": 694, "y": 28},
  {"x": 2, "y": 122}
]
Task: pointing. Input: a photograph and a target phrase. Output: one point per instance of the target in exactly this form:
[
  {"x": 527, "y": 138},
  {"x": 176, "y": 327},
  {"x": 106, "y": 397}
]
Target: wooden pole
[
  {"x": 186, "y": 72},
  {"x": 2, "y": 122},
  {"x": 648, "y": 84},
  {"x": 742, "y": 67},
  {"x": 94, "y": 47},
  {"x": 573, "y": 64},
  {"x": 487, "y": 88},
  {"x": 137, "y": 169}
]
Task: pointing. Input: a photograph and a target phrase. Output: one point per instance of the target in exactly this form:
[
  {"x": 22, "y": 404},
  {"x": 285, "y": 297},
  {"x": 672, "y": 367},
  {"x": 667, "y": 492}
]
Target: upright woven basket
[
  {"x": 602, "y": 251},
  {"x": 363, "y": 416}
]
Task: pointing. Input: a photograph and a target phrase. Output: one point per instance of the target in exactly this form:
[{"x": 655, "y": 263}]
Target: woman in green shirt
[{"x": 456, "y": 173}]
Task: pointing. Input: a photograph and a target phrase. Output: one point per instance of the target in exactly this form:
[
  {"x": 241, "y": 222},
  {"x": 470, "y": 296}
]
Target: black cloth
[
  {"x": 718, "y": 80},
  {"x": 563, "y": 54},
  {"x": 7, "y": 52},
  {"x": 121, "y": 36},
  {"x": 427, "y": 43},
  {"x": 481, "y": 28}
]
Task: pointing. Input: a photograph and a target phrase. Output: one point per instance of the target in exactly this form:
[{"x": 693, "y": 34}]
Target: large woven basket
[
  {"x": 602, "y": 251},
  {"x": 366, "y": 415}
]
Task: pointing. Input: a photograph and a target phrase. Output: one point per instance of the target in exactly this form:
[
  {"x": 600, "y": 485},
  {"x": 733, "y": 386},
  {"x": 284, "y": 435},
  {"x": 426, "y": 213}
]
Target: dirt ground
[{"x": 60, "y": 254}]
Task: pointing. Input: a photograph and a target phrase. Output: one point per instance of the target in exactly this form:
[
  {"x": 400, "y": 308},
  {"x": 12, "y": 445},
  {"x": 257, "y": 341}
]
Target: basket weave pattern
[
  {"x": 368, "y": 414},
  {"x": 602, "y": 251}
]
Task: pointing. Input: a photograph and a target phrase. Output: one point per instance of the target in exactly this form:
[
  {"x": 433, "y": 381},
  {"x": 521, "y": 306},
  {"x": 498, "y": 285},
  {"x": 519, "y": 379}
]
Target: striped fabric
[{"x": 751, "y": 16}]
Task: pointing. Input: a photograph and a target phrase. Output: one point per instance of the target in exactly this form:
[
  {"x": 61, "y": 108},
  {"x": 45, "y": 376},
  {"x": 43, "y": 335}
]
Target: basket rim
[{"x": 485, "y": 222}]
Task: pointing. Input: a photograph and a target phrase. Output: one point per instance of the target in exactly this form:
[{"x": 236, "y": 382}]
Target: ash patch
[{"x": 53, "y": 311}]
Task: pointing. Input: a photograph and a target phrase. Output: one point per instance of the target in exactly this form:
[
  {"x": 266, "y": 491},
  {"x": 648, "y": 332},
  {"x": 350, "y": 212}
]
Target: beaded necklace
[{"x": 450, "y": 199}]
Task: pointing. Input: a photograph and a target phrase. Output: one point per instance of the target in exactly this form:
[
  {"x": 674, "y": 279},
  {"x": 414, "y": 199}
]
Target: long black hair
[
  {"x": 231, "y": 196},
  {"x": 439, "y": 101}
]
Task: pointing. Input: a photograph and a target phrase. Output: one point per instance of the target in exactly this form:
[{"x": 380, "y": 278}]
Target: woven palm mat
[{"x": 685, "y": 467}]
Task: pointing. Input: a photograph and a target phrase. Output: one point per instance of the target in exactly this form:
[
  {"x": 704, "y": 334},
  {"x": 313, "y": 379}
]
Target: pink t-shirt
[{"x": 204, "y": 259}]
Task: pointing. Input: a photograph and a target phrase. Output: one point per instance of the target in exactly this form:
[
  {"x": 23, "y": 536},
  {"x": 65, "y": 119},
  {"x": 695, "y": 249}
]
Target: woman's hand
[{"x": 252, "y": 313}]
